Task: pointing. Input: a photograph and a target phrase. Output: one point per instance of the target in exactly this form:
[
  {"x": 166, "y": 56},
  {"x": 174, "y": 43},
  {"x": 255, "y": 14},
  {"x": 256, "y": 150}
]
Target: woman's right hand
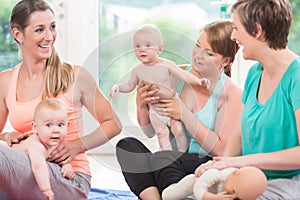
[
  {"x": 170, "y": 108},
  {"x": 13, "y": 137},
  {"x": 146, "y": 93}
]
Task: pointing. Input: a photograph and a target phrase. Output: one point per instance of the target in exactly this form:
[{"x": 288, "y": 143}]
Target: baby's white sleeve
[
  {"x": 205, "y": 181},
  {"x": 210, "y": 181}
]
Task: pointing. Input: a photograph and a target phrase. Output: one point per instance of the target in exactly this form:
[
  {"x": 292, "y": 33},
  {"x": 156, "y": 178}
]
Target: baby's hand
[
  {"x": 113, "y": 90},
  {"x": 67, "y": 171},
  {"x": 223, "y": 196},
  {"x": 48, "y": 194},
  {"x": 205, "y": 82}
]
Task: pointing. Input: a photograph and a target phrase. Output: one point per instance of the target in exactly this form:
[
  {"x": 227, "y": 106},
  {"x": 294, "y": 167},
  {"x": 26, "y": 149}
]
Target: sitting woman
[
  {"x": 209, "y": 115},
  {"x": 41, "y": 75},
  {"x": 270, "y": 134}
]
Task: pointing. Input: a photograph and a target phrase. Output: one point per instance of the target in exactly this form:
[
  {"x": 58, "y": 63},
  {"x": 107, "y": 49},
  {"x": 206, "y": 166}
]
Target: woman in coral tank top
[{"x": 40, "y": 75}]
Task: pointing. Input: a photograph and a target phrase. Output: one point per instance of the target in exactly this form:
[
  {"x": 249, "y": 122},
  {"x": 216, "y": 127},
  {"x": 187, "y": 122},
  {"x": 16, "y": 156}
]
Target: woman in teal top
[
  {"x": 269, "y": 138},
  {"x": 258, "y": 127},
  {"x": 209, "y": 115}
]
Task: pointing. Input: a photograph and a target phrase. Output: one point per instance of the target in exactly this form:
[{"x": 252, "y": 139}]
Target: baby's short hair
[
  {"x": 153, "y": 30},
  {"x": 50, "y": 103}
]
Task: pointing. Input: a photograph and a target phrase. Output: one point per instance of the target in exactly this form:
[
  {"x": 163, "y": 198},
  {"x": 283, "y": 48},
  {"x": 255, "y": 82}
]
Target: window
[
  {"x": 8, "y": 48},
  {"x": 178, "y": 20}
]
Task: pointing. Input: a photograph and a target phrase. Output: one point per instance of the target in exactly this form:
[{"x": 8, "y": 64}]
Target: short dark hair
[{"x": 274, "y": 16}]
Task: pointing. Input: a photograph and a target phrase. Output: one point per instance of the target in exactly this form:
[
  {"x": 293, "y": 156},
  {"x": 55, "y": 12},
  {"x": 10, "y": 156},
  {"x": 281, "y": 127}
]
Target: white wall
[
  {"x": 240, "y": 69},
  {"x": 78, "y": 30}
]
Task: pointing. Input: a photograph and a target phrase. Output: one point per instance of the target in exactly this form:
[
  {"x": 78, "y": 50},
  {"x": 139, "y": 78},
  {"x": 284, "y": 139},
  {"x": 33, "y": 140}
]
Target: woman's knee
[
  {"x": 133, "y": 156},
  {"x": 131, "y": 144},
  {"x": 124, "y": 143}
]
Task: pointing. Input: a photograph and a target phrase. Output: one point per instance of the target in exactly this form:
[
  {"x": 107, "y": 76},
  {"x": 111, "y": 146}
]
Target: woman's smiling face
[
  {"x": 40, "y": 34},
  {"x": 204, "y": 58}
]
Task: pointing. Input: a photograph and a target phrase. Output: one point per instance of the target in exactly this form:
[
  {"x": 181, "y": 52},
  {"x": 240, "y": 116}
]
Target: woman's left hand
[
  {"x": 170, "y": 108},
  {"x": 222, "y": 163},
  {"x": 64, "y": 152}
]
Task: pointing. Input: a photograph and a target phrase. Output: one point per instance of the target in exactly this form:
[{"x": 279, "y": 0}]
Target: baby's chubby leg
[
  {"x": 180, "y": 190},
  {"x": 179, "y": 135},
  {"x": 164, "y": 139},
  {"x": 159, "y": 123}
]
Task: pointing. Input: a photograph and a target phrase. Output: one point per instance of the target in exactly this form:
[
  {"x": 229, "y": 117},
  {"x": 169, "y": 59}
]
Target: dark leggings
[{"x": 142, "y": 168}]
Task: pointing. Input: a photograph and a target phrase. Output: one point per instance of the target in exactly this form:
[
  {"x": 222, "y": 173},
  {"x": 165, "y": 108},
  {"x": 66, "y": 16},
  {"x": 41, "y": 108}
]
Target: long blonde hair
[{"x": 59, "y": 75}]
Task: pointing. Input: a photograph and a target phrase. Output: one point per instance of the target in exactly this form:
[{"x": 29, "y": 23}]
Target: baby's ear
[
  {"x": 161, "y": 48},
  {"x": 33, "y": 126}
]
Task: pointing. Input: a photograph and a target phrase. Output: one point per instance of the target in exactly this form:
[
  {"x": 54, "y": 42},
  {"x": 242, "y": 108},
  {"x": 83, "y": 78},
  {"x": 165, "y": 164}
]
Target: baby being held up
[{"x": 148, "y": 44}]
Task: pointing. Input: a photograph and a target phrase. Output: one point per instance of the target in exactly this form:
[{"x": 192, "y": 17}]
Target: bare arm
[
  {"x": 9, "y": 137},
  {"x": 287, "y": 159},
  {"x": 183, "y": 75},
  {"x": 4, "y": 80},
  {"x": 100, "y": 108},
  {"x": 234, "y": 144},
  {"x": 36, "y": 152},
  {"x": 126, "y": 87},
  {"x": 132, "y": 83},
  {"x": 88, "y": 93},
  {"x": 228, "y": 119},
  {"x": 281, "y": 160}
]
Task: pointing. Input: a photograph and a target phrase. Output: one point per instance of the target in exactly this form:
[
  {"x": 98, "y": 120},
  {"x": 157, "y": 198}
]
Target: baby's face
[
  {"x": 52, "y": 126},
  {"x": 146, "y": 48}
]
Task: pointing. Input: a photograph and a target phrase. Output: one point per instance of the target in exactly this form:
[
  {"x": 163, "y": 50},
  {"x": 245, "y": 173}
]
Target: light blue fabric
[
  {"x": 207, "y": 115},
  {"x": 107, "y": 194},
  {"x": 271, "y": 126}
]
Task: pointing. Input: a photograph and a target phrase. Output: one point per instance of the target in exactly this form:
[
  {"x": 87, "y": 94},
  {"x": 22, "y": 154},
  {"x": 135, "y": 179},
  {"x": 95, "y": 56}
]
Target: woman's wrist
[
  {"x": 142, "y": 108},
  {"x": 184, "y": 111},
  {"x": 2, "y": 136},
  {"x": 82, "y": 148},
  {"x": 78, "y": 146}
]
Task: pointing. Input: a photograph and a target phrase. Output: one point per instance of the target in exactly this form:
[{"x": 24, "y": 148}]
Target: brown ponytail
[
  {"x": 59, "y": 76},
  {"x": 218, "y": 36}
]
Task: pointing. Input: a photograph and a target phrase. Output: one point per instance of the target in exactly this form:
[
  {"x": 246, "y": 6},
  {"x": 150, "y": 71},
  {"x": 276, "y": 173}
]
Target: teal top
[
  {"x": 207, "y": 115},
  {"x": 271, "y": 126}
]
